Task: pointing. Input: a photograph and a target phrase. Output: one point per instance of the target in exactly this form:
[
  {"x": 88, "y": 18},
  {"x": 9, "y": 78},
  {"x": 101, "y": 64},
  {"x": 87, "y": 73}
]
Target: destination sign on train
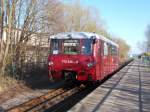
[{"x": 71, "y": 42}]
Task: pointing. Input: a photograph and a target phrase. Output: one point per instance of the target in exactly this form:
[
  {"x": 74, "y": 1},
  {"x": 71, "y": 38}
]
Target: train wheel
[
  {"x": 92, "y": 83},
  {"x": 78, "y": 83},
  {"x": 88, "y": 83}
]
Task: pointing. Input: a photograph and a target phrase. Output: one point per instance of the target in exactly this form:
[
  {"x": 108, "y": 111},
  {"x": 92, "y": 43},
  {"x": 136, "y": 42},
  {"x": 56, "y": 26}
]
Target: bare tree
[
  {"x": 18, "y": 24},
  {"x": 51, "y": 16},
  {"x": 148, "y": 38},
  {"x": 123, "y": 48},
  {"x": 79, "y": 18},
  {"x": 142, "y": 46}
]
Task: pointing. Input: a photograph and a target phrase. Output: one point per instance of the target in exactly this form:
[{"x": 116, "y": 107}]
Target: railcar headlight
[
  {"x": 91, "y": 64},
  {"x": 50, "y": 63}
]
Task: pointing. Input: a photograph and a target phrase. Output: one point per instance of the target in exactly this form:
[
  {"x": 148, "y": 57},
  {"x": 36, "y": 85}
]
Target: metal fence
[{"x": 145, "y": 60}]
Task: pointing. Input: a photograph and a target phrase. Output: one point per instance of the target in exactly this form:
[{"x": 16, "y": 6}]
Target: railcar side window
[
  {"x": 55, "y": 49},
  {"x": 114, "y": 50},
  {"x": 110, "y": 49},
  {"x": 105, "y": 49}
]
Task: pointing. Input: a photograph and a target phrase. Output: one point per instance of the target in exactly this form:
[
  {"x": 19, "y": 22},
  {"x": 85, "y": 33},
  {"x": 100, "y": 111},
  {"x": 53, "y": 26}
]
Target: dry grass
[{"x": 6, "y": 82}]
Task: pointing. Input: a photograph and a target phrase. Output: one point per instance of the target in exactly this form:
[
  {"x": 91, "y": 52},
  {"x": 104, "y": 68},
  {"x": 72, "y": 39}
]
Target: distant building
[
  {"x": 34, "y": 39},
  {"x": 37, "y": 46}
]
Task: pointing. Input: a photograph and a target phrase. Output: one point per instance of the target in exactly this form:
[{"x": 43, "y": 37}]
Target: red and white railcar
[{"x": 81, "y": 56}]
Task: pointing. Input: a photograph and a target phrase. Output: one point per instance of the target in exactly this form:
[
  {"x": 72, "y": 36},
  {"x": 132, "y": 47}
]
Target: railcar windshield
[
  {"x": 71, "y": 46},
  {"x": 87, "y": 46},
  {"x": 55, "y": 47}
]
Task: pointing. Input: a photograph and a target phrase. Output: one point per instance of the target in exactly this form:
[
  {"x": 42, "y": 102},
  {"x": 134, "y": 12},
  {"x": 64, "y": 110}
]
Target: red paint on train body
[{"x": 81, "y": 56}]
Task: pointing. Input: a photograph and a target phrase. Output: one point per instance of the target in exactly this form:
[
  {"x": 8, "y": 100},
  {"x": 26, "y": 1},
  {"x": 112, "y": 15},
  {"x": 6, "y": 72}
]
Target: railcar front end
[{"x": 72, "y": 59}]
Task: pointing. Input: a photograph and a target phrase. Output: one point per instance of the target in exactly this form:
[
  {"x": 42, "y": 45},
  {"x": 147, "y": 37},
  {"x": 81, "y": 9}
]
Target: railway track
[
  {"x": 47, "y": 100},
  {"x": 69, "y": 102},
  {"x": 57, "y": 100}
]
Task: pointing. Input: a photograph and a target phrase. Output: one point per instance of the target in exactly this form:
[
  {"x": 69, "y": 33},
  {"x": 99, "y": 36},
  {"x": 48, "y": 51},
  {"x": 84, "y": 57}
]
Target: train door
[
  {"x": 113, "y": 57},
  {"x": 114, "y": 54},
  {"x": 105, "y": 59},
  {"x": 110, "y": 60},
  {"x": 101, "y": 62},
  {"x": 117, "y": 58},
  {"x": 97, "y": 59},
  {"x": 116, "y": 61}
]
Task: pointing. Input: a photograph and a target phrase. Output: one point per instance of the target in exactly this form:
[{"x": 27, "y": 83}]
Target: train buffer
[{"x": 126, "y": 91}]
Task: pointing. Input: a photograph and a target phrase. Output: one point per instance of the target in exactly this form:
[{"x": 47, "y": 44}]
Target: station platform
[{"x": 126, "y": 91}]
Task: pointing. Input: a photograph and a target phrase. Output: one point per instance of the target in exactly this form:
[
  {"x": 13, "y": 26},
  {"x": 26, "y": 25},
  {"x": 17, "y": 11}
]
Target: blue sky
[{"x": 126, "y": 19}]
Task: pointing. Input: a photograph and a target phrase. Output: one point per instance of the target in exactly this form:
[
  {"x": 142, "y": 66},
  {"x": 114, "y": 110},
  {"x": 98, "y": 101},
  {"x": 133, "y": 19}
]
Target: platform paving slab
[{"x": 126, "y": 91}]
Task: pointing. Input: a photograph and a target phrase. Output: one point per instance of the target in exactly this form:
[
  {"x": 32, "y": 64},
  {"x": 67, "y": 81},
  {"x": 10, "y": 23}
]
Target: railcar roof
[{"x": 79, "y": 35}]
